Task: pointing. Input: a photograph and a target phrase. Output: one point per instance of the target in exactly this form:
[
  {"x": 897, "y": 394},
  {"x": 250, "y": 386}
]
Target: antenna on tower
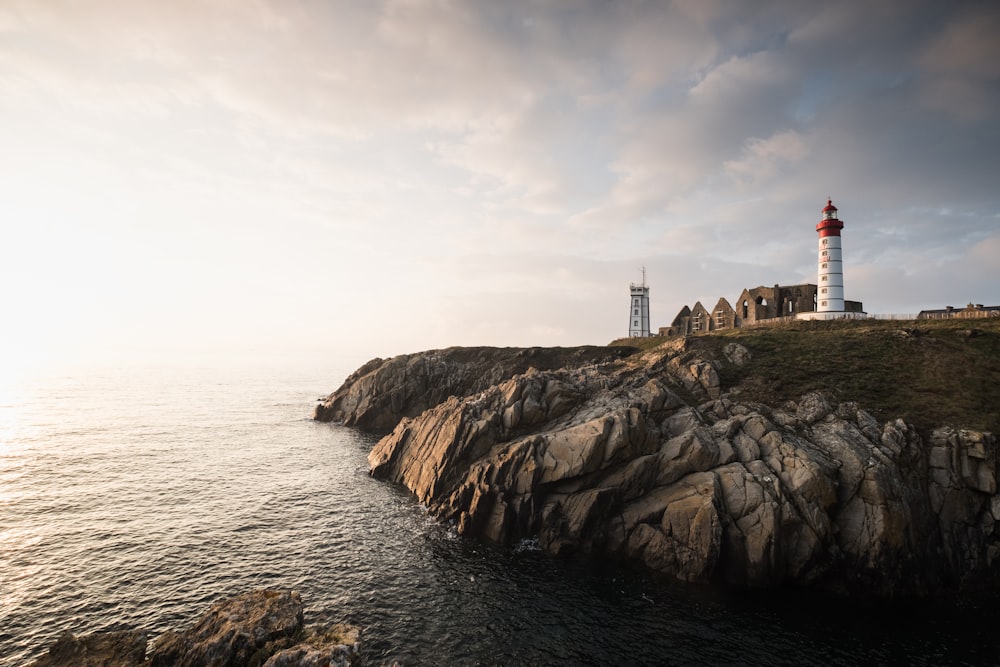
[{"x": 644, "y": 276}]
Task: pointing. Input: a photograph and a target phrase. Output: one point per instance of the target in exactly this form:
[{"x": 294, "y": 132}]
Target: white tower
[
  {"x": 639, "y": 318},
  {"x": 830, "y": 280}
]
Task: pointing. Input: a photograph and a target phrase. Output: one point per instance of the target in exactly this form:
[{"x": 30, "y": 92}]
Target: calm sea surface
[{"x": 137, "y": 497}]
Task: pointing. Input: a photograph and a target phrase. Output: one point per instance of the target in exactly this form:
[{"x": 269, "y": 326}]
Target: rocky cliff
[
  {"x": 376, "y": 396},
  {"x": 649, "y": 458}
]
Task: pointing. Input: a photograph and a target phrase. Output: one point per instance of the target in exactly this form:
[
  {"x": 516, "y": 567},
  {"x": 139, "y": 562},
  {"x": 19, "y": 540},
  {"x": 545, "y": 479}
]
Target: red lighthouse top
[{"x": 829, "y": 225}]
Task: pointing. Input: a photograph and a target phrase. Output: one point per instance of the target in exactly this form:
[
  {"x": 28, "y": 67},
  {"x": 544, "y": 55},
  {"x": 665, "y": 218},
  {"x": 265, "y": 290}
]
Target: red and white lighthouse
[{"x": 830, "y": 279}]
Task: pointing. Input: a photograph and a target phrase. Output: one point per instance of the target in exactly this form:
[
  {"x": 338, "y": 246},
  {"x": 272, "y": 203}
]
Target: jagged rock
[
  {"x": 244, "y": 630},
  {"x": 737, "y": 354},
  {"x": 812, "y": 408},
  {"x": 674, "y": 528},
  {"x": 376, "y": 396},
  {"x": 124, "y": 648},
  {"x": 335, "y": 647},
  {"x": 257, "y": 629},
  {"x": 648, "y": 459},
  {"x": 962, "y": 492}
]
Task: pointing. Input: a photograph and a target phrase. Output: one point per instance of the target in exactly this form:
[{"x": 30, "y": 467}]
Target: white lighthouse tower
[
  {"x": 830, "y": 278},
  {"x": 639, "y": 309}
]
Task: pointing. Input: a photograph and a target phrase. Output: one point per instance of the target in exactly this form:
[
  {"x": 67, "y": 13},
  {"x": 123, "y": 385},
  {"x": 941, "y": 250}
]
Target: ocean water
[{"x": 137, "y": 497}]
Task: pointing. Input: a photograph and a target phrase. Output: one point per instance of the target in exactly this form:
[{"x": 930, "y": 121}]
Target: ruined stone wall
[{"x": 752, "y": 306}]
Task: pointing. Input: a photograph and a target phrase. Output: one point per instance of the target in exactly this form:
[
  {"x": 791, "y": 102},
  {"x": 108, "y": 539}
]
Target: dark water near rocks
[{"x": 137, "y": 498}]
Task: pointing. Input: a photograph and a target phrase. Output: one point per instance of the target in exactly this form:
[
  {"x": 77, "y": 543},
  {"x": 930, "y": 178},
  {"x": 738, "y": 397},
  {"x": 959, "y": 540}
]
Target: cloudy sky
[{"x": 263, "y": 178}]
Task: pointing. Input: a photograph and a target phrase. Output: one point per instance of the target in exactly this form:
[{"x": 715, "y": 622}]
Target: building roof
[{"x": 685, "y": 312}]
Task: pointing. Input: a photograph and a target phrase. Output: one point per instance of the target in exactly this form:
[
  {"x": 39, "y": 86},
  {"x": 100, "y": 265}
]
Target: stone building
[
  {"x": 767, "y": 303},
  {"x": 753, "y": 305},
  {"x": 971, "y": 311},
  {"x": 723, "y": 315}
]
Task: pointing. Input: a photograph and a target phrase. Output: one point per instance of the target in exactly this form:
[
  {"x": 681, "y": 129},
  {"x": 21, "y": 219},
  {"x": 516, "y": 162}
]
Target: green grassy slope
[{"x": 931, "y": 373}]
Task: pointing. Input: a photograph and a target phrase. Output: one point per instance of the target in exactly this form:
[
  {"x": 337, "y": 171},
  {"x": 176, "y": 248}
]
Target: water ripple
[{"x": 120, "y": 507}]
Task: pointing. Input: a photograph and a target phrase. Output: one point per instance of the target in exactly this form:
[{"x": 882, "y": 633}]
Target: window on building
[
  {"x": 823, "y": 290},
  {"x": 824, "y": 265},
  {"x": 824, "y": 241},
  {"x": 635, "y": 312},
  {"x": 824, "y": 278},
  {"x": 635, "y": 302},
  {"x": 636, "y": 323},
  {"x": 825, "y": 253},
  {"x": 696, "y": 322},
  {"x": 720, "y": 319},
  {"x": 823, "y": 303}
]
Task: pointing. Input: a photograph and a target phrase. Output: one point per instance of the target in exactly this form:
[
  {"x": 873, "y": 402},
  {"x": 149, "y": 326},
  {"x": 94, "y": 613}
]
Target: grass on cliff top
[{"x": 931, "y": 373}]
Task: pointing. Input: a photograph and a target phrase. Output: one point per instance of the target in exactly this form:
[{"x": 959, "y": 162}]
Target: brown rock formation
[
  {"x": 258, "y": 629},
  {"x": 243, "y": 630},
  {"x": 383, "y": 391},
  {"x": 125, "y": 648},
  {"x": 647, "y": 459}
]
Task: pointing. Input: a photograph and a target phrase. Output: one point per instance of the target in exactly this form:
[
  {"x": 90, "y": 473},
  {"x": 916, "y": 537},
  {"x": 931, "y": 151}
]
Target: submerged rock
[
  {"x": 258, "y": 629},
  {"x": 124, "y": 648},
  {"x": 648, "y": 459}
]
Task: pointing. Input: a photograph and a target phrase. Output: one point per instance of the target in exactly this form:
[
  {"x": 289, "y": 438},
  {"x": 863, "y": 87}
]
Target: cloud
[
  {"x": 963, "y": 65},
  {"x": 971, "y": 276},
  {"x": 764, "y": 159},
  {"x": 506, "y": 168}
]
